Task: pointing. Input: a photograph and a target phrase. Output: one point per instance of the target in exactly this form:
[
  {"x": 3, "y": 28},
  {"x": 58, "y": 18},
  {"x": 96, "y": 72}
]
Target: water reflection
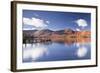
[
  {"x": 81, "y": 52},
  {"x": 56, "y": 51},
  {"x": 34, "y": 51}
]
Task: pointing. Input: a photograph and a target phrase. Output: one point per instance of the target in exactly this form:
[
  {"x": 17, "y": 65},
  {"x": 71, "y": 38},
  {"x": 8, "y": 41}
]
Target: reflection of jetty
[{"x": 36, "y": 40}]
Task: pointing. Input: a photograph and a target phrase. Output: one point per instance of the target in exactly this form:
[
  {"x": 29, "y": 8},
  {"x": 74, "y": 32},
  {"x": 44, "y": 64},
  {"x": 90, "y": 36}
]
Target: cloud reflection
[
  {"x": 81, "y": 52},
  {"x": 35, "y": 52}
]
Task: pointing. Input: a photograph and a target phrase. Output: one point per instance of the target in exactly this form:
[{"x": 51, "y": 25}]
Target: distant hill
[{"x": 45, "y": 32}]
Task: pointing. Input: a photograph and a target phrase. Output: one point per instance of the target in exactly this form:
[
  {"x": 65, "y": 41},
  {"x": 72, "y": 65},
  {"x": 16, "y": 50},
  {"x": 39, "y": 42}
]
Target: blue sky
[{"x": 33, "y": 19}]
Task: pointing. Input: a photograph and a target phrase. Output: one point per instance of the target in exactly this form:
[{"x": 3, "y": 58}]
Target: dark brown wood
[
  {"x": 96, "y": 36},
  {"x": 14, "y": 35},
  {"x": 54, "y": 4}
]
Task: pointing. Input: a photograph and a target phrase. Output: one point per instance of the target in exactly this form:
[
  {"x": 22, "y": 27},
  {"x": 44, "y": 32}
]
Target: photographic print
[
  {"x": 56, "y": 36},
  {"x": 51, "y": 36}
]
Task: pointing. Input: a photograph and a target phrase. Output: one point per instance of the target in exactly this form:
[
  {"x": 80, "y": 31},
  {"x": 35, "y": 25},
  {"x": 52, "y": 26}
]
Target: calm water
[{"x": 55, "y": 51}]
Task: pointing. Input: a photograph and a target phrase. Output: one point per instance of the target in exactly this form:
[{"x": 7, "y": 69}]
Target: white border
[{"x": 21, "y": 65}]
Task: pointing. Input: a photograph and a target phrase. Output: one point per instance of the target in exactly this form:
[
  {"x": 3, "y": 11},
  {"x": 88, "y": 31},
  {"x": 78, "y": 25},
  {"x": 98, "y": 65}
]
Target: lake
[{"x": 56, "y": 51}]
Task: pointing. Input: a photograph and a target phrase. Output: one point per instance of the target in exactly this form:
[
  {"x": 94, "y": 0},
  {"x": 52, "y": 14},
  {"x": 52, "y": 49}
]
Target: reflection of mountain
[{"x": 67, "y": 35}]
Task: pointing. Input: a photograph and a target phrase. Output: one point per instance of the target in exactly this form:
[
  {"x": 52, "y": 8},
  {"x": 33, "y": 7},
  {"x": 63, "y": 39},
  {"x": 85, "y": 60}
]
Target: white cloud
[
  {"x": 36, "y": 22},
  {"x": 77, "y": 29},
  {"x": 81, "y": 23},
  {"x": 47, "y": 22},
  {"x": 28, "y": 28}
]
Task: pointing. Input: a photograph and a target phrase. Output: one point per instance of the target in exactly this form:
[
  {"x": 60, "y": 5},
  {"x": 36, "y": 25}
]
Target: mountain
[
  {"x": 45, "y": 32},
  {"x": 37, "y": 32},
  {"x": 69, "y": 31},
  {"x": 28, "y": 32},
  {"x": 60, "y": 32}
]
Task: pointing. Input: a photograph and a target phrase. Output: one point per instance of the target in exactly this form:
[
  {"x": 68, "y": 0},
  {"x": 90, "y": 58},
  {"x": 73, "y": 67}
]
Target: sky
[{"x": 34, "y": 19}]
